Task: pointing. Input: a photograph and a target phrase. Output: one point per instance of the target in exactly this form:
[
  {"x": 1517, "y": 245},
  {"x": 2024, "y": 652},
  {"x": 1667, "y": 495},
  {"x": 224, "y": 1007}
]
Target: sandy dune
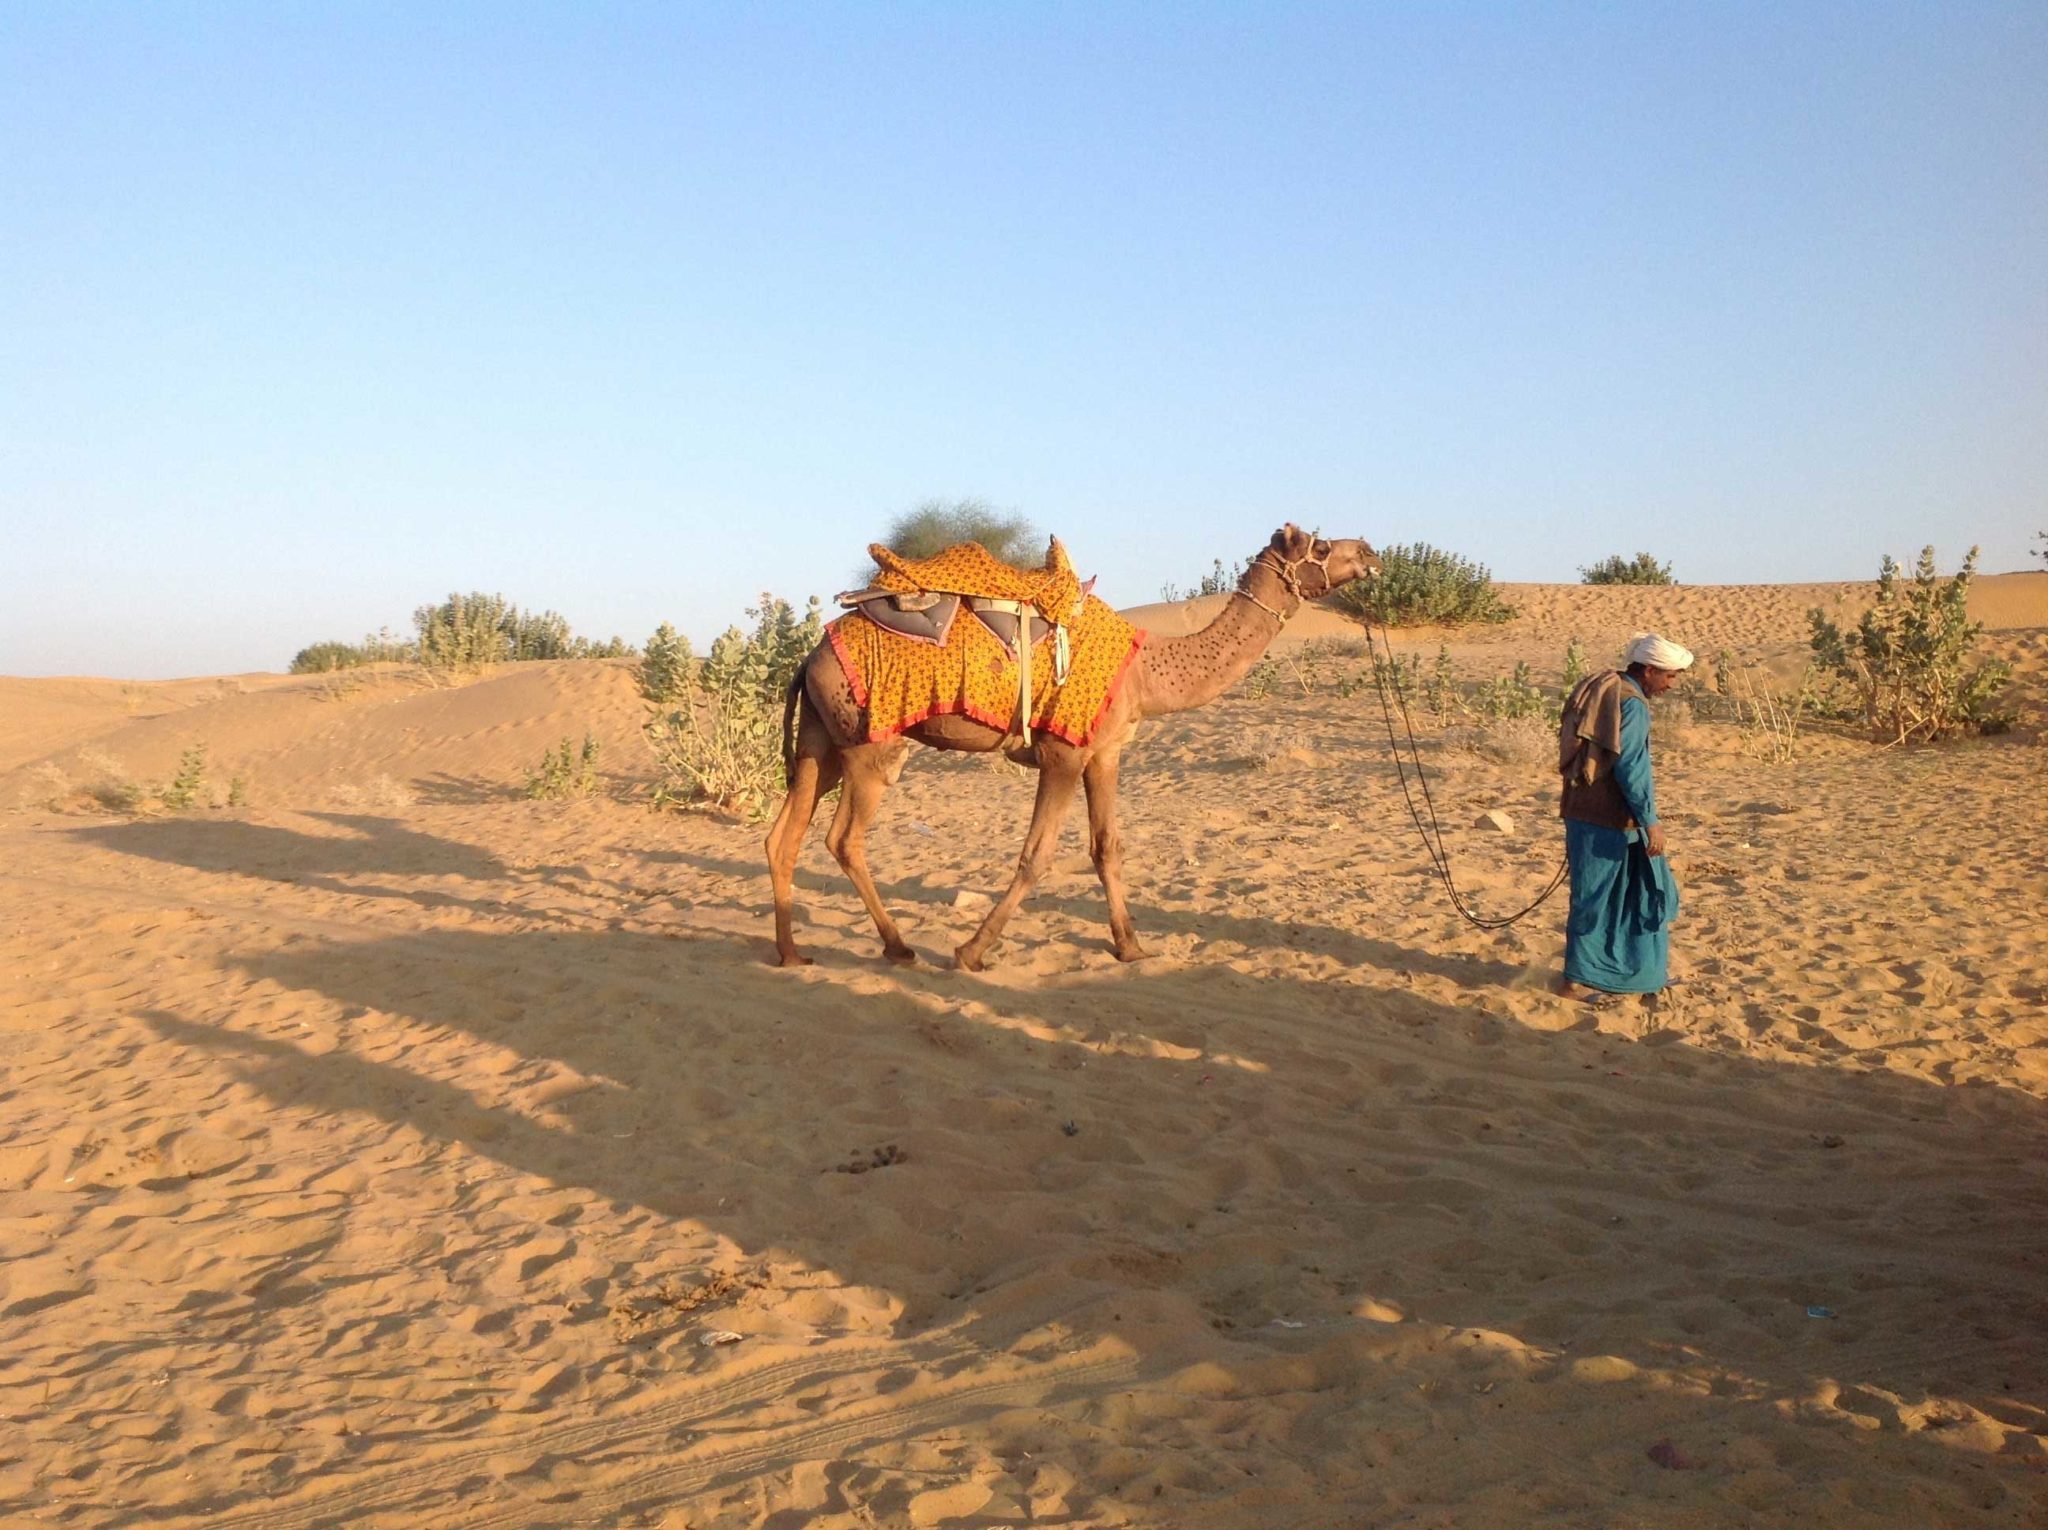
[{"x": 395, "y": 1151}]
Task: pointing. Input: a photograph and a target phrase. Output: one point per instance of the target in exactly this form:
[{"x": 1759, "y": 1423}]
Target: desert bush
[
  {"x": 720, "y": 742},
  {"x": 1641, "y": 569},
  {"x": 474, "y": 630},
  {"x": 1768, "y": 715},
  {"x": 1911, "y": 658},
  {"x": 463, "y": 632},
  {"x": 2041, "y": 552},
  {"x": 938, "y": 524},
  {"x": 108, "y": 783},
  {"x": 1422, "y": 585},
  {"x": 44, "y": 786},
  {"x": 1400, "y": 678},
  {"x": 380, "y": 647},
  {"x": 1574, "y": 663},
  {"x": 1504, "y": 697},
  {"x": 665, "y": 665},
  {"x": 565, "y": 772}
]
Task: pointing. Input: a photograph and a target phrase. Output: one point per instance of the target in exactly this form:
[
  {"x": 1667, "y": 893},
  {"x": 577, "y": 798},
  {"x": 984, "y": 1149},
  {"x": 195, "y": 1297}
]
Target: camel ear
[{"x": 1290, "y": 540}]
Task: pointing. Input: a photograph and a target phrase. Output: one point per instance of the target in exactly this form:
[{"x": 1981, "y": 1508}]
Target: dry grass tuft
[
  {"x": 379, "y": 792},
  {"x": 1521, "y": 741}
]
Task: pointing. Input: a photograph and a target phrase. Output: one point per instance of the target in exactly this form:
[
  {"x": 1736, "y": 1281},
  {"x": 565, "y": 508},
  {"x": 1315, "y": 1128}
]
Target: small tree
[
  {"x": 1910, "y": 659},
  {"x": 2041, "y": 552},
  {"x": 1642, "y": 569}
]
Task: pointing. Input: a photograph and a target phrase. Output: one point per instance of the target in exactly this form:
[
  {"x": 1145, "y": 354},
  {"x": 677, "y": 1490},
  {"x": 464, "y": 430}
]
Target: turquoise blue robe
[{"x": 1618, "y": 934}]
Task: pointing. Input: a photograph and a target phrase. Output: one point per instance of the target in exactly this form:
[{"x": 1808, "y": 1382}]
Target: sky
[{"x": 311, "y": 314}]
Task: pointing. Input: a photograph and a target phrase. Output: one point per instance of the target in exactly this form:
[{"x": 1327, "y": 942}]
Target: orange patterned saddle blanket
[{"x": 967, "y": 670}]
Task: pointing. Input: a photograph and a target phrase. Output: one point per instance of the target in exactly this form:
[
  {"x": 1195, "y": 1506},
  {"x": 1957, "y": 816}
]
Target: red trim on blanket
[
  {"x": 1109, "y": 697},
  {"x": 847, "y": 666}
]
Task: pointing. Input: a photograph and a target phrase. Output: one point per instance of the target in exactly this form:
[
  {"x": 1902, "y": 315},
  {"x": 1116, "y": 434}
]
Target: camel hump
[{"x": 968, "y": 568}]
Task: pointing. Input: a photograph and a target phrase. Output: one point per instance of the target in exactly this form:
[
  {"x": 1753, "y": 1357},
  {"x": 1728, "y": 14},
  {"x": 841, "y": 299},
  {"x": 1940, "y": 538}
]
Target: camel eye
[{"x": 1322, "y": 549}]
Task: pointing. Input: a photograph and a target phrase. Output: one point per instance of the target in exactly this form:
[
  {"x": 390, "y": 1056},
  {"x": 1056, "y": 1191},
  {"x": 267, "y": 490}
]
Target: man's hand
[{"x": 1653, "y": 839}]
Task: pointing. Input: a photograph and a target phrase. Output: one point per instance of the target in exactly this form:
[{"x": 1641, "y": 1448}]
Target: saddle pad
[
  {"x": 902, "y": 683},
  {"x": 1004, "y": 625},
  {"x": 968, "y": 568},
  {"x": 928, "y": 622}
]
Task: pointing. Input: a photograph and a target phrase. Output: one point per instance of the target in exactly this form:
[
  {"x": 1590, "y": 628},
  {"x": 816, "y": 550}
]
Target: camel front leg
[
  {"x": 867, "y": 776},
  {"x": 809, "y": 782},
  {"x": 1106, "y": 848},
  {"x": 1056, "y": 785}
]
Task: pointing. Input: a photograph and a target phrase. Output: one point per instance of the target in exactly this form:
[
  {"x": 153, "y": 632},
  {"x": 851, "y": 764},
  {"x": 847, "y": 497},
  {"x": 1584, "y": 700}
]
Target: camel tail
[{"x": 790, "y": 702}]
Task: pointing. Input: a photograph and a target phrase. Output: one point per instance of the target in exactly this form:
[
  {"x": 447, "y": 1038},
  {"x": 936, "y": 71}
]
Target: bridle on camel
[{"x": 1288, "y": 572}]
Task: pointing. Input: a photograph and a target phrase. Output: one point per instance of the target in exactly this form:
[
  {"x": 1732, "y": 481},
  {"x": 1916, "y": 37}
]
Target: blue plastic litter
[{"x": 1820, "y": 1312}]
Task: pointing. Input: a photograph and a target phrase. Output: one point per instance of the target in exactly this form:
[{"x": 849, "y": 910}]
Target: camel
[{"x": 825, "y": 743}]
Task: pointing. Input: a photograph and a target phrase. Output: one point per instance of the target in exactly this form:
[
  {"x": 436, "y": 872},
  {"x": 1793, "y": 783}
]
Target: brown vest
[{"x": 1599, "y": 800}]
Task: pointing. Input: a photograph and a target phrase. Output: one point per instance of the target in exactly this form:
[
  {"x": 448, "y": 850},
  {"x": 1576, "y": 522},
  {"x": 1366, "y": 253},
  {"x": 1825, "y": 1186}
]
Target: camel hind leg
[
  {"x": 870, "y": 769},
  {"x": 814, "y": 763},
  {"x": 811, "y": 777}
]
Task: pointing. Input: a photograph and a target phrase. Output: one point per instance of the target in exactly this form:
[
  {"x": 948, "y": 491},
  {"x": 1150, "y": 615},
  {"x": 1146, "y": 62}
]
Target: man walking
[{"x": 1617, "y": 937}]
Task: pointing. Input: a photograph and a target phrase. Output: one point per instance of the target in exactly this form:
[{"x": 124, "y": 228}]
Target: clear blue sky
[{"x": 310, "y": 314}]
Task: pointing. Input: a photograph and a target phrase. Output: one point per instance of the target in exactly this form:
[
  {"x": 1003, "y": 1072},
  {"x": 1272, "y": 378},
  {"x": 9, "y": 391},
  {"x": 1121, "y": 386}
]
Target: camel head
[{"x": 1314, "y": 567}]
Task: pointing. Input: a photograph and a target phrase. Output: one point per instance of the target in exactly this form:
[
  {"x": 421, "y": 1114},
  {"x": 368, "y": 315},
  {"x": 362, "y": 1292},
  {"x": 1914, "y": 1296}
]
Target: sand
[{"x": 391, "y": 1150}]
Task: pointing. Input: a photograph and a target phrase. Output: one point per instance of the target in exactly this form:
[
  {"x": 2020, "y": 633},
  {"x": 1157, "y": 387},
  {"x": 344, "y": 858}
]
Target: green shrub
[
  {"x": 1574, "y": 663},
  {"x": 1642, "y": 569},
  {"x": 474, "y": 630},
  {"x": 464, "y": 632},
  {"x": 938, "y": 524},
  {"x": 720, "y": 743},
  {"x": 1422, "y": 585},
  {"x": 1509, "y": 696},
  {"x": 1911, "y": 658},
  {"x": 565, "y": 773},
  {"x": 382, "y": 647},
  {"x": 185, "y": 787},
  {"x": 665, "y": 665}
]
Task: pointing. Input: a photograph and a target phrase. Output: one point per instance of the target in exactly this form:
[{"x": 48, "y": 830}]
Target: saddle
[{"x": 918, "y": 599}]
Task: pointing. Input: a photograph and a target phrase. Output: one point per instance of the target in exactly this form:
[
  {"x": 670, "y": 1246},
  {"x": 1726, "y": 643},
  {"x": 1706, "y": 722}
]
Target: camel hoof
[
  {"x": 1133, "y": 953},
  {"x": 967, "y": 959},
  {"x": 902, "y": 956},
  {"x": 792, "y": 959}
]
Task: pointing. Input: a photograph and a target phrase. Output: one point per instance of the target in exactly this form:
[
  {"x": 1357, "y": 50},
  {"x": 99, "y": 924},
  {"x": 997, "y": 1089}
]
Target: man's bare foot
[{"x": 1592, "y": 998}]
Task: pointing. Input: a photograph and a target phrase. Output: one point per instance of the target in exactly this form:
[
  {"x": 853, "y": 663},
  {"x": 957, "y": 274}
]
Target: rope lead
[{"x": 1432, "y": 833}]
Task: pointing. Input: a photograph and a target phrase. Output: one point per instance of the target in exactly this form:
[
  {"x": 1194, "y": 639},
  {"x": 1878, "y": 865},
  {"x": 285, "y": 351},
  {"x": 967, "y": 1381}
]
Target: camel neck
[{"x": 1192, "y": 671}]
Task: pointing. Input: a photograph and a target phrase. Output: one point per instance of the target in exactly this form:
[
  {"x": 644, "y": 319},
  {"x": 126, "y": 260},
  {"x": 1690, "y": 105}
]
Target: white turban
[{"x": 1657, "y": 652}]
